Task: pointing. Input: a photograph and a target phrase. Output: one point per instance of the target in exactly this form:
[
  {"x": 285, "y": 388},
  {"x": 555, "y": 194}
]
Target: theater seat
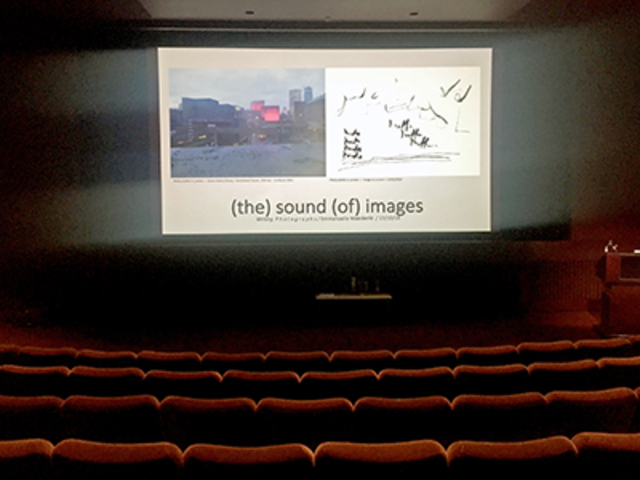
[
  {"x": 351, "y": 384},
  {"x": 106, "y": 359},
  {"x": 620, "y": 372},
  {"x": 487, "y": 356},
  {"x": 105, "y": 382},
  {"x": 163, "y": 383},
  {"x": 175, "y": 361},
  {"x": 34, "y": 381},
  {"x": 608, "y": 455},
  {"x": 30, "y": 417},
  {"x": 298, "y": 362},
  {"x": 290, "y": 461},
  {"x": 258, "y": 385},
  {"x": 425, "y": 358},
  {"x": 547, "y": 458},
  {"x": 28, "y": 459},
  {"x": 578, "y": 375},
  {"x": 387, "y": 420},
  {"x": 418, "y": 459},
  {"x": 343, "y": 360},
  {"x": 491, "y": 380},
  {"x": 309, "y": 422},
  {"x": 609, "y": 410},
  {"x": 221, "y": 362},
  {"x": 556, "y": 351},
  {"x": 187, "y": 421},
  {"x": 407, "y": 383},
  {"x": 134, "y": 419},
  {"x": 509, "y": 418},
  {"x": 603, "y": 347},
  {"x": 74, "y": 459},
  {"x": 30, "y": 356}
]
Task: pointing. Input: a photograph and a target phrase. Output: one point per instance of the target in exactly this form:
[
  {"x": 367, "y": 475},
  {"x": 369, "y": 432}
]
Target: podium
[{"x": 620, "y": 274}]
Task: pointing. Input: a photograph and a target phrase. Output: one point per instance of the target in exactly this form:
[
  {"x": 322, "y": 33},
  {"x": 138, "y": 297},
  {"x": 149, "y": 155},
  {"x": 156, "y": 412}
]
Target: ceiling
[
  {"x": 335, "y": 10},
  {"x": 327, "y": 12}
]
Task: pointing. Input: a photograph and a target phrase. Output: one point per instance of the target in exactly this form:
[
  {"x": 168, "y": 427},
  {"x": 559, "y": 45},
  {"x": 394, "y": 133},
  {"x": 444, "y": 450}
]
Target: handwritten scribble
[
  {"x": 351, "y": 146},
  {"x": 403, "y": 117},
  {"x": 411, "y": 133}
]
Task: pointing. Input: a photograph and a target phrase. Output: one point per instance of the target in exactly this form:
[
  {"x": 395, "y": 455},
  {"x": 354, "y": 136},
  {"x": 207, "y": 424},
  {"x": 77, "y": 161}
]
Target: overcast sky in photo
[{"x": 240, "y": 87}]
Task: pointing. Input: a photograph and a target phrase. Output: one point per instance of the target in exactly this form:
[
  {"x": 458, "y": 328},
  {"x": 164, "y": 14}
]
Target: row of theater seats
[
  {"x": 586, "y": 455},
  {"x": 243, "y": 422},
  {"x": 60, "y": 381},
  {"x": 300, "y": 362}
]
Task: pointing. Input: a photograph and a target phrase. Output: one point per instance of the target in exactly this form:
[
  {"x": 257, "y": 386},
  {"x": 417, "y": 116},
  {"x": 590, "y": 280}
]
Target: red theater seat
[
  {"x": 309, "y": 422},
  {"x": 426, "y": 358},
  {"x": 579, "y": 375},
  {"x": 9, "y": 354},
  {"x": 608, "y": 455},
  {"x": 74, "y": 459},
  {"x": 291, "y": 461},
  {"x": 258, "y": 385},
  {"x": 609, "y": 411},
  {"x": 175, "y": 361},
  {"x": 620, "y": 372},
  {"x": 187, "y": 421},
  {"x": 603, "y": 347},
  {"x": 399, "y": 420},
  {"x": 30, "y": 417},
  {"x": 407, "y": 460},
  {"x": 28, "y": 459},
  {"x": 397, "y": 383},
  {"x": 105, "y": 382},
  {"x": 47, "y": 356},
  {"x": 103, "y": 359},
  {"x": 351, "y": 384},
  {"x": 553, "y": 457},
  {"x": 491, "y": 380},
  {"x": 221, "y": 362},
  {"x": 134, "y": 419},
  {"x": 162, "y": 383},
  {"x": 499, "y": 417},
  {"x": 34, "y": 381},
  {"x": 343, "y": 360},
  {"x": 298, "y": 362},
  {"x": 487, "y": 356},
  {"x": 557, "y": 351}
]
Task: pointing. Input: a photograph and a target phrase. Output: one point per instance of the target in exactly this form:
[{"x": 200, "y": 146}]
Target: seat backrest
[
  {"x": 309, "y": 422},
  {"x": 187, "y": 421},
  {"x": 30, "y": 417},
  {"x": 291, "y": 461},
  {"x": 164, "y": 383},
  {"x": 75, "y": 459},
  {"x": 611, "y": 410},
  {"x": 351, "y": 384},
  {"x": 131, "y": 419},
  {"x": 407, "y": 383},
  {"x": 550, "y": 457},
  {"x": 416, "y": 459},
  {"x": 387, "y": 420},
  {"x": 514, "y": 417},
  {"x": 26, "y": 459}
]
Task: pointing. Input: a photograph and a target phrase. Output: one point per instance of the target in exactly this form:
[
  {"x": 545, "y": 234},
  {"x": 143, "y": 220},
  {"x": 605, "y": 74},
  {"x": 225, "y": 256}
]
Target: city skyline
[{"x": 239, "y": 87}]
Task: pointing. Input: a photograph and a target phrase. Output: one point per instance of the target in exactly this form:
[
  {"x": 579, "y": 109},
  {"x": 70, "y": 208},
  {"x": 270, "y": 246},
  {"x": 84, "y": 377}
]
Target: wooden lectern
[{"x": 620, "y": 273}]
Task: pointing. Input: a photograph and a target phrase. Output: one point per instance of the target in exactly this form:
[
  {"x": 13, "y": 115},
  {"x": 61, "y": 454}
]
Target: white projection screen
[{"x": 312, "y": 141}]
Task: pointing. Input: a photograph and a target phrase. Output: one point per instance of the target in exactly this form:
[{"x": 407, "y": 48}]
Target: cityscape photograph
[{"x": 247, "y": 123}]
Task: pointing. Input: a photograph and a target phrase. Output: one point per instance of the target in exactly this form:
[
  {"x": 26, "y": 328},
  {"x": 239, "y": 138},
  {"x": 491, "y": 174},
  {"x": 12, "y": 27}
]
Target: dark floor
[{"x": 223, "y": 333}]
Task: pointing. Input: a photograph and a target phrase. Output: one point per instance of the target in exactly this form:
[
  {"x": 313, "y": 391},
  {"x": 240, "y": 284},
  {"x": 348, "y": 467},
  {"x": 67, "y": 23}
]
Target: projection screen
[{"x": 312, "y": 141}]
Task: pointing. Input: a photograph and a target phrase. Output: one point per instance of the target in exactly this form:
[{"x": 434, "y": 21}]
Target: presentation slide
[{"x": 281, "y": 141}]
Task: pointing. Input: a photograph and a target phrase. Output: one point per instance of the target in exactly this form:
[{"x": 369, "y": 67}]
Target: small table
[{"x": 361, "y": 306}]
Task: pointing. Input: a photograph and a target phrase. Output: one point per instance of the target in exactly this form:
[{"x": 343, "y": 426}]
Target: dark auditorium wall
[{"x": 79, "y": 195}]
